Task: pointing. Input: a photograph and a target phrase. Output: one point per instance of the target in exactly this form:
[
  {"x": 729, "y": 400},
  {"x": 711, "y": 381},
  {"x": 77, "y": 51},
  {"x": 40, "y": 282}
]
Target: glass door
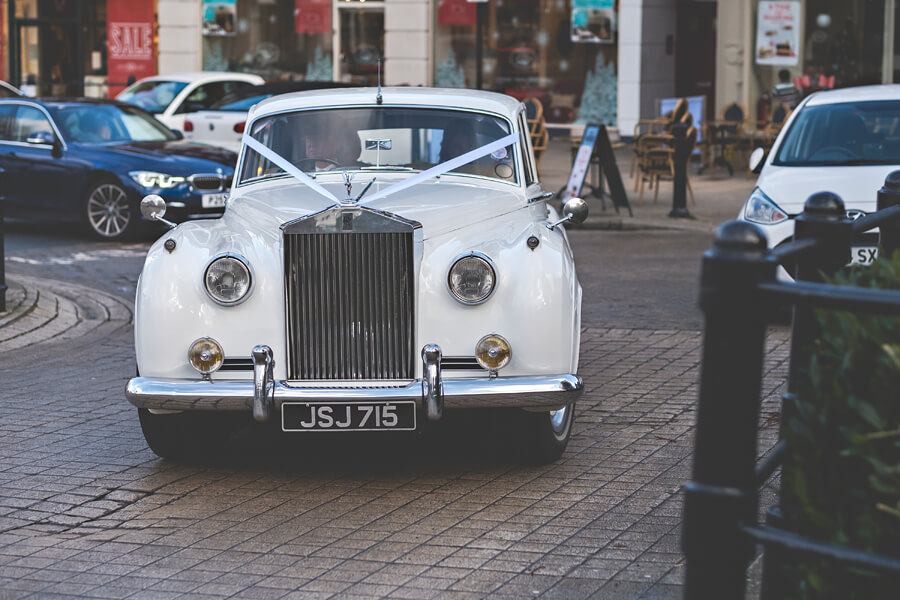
[{"x": 361, "y": 36}]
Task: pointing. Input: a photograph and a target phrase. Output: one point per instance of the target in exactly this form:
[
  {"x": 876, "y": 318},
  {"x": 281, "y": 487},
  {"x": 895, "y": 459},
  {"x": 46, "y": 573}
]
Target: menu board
[{"x": 778, "y": 33}]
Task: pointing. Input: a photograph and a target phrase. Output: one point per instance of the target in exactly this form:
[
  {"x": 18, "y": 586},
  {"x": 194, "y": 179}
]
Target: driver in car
[{"x": 329, "y": 144}]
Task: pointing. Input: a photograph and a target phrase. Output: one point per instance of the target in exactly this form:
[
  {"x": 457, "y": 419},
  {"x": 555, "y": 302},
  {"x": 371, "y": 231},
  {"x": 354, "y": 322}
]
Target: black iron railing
[{"x": 739, "y": 294}]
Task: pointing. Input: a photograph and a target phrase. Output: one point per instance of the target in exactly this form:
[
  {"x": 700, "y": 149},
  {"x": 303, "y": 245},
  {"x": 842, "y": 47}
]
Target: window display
[{"x": 529, "y": 52}]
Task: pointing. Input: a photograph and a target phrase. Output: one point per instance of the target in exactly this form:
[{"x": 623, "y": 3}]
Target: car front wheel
[
  {"x": 167, "y": 435},
  {"x": 547, "y": 434},
  {"x": 109, "y": 213}
]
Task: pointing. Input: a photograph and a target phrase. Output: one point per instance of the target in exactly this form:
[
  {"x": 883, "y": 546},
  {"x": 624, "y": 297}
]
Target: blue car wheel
[{"x": 109, "y": 213}]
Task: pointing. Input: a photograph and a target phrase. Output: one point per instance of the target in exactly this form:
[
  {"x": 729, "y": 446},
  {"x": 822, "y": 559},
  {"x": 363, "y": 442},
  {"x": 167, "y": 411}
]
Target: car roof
[
  {"x": 11, "y": 87},
  {"x": 392, "y": 96},
  {"x": 279, "y": 87},
  {"x": 201, "y": 75},
  {"x": 64, "y": 100},
  {"x": 861, "y": 93}
]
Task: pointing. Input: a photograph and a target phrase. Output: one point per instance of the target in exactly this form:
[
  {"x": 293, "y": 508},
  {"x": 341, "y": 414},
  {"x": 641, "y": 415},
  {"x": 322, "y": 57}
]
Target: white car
[
  {"x": 222, "y": 124},
  {"x": 170, "y": 97},
  {"x": 383, "y": 256},
  {"x": 842, "y": 141},
  {"x": 7, "y": 90}
]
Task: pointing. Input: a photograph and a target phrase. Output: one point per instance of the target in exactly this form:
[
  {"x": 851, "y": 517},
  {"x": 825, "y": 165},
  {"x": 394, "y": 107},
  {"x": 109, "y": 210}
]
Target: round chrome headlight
[
  {"x": 472, "y": 278},
  {"x": 228, "y": 279}
]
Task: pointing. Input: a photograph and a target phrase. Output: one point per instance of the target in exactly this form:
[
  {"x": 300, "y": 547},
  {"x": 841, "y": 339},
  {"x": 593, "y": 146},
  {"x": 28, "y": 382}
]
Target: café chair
[{"x": 537, "y": 127}]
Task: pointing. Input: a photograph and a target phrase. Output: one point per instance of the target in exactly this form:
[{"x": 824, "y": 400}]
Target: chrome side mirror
[
  {"x": 153, "y": 207},
  {"x": 757, "y": 158},
  {"x": 576, "y": 211}
]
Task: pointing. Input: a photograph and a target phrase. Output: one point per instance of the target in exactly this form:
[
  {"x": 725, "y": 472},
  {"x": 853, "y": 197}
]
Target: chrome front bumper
[{"x": 432, "y": 393}]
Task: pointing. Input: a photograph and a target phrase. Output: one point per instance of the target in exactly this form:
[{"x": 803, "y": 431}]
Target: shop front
[
  {"x": 562, "y": 52},
  {"x": 314, "y": 40},
  {"x": 800, "y": 47},
  {"x": 56, "y": 47}
]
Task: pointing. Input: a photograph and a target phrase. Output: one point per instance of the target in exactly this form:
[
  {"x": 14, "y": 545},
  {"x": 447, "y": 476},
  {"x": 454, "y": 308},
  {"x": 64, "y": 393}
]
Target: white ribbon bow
[{"x": 434, "y": 171}]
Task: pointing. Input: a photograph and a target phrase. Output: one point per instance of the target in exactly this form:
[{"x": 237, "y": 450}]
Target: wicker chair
[
  {"x": 537, "y": 127},
  {"x": 659, "y": 165}
]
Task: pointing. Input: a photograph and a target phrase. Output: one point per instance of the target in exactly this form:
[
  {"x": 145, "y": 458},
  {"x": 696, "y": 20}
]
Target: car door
[
  {"x": 43, "y": 179},
  {"x": 7, "y": 112}
]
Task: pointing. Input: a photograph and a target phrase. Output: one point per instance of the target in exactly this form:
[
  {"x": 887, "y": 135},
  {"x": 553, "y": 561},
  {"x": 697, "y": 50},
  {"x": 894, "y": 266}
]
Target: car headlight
[
  {"x": 151, "y": 179},
  {"x": 472, "y": 278},
  {"x": 761, "y": 209},
  {"x": 228, "y": 279}
]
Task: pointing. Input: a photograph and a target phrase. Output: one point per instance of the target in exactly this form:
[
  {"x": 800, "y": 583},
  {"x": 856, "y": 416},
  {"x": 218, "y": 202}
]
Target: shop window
[
  {"x": 277, "y": 40},
  {"x": 531, "y": 49}
]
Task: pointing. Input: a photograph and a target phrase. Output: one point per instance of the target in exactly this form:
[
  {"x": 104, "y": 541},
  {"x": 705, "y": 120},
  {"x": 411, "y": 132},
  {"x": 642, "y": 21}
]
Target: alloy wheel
[{"x": 108, "y": 210}]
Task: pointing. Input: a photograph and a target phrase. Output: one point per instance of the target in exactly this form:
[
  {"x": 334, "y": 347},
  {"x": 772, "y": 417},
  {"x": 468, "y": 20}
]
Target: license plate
[
  {"x": 348, "y": 416},
  {"x": 213, "y": 200},
  {"x": 863, "y": 255}
]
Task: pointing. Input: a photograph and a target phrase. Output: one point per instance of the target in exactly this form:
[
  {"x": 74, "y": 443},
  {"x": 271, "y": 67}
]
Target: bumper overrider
[{"x": 431, "y": 393}]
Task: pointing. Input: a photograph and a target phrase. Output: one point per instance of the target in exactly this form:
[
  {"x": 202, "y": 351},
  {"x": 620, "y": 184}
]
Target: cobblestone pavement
[{"x": 86, "y": 510}]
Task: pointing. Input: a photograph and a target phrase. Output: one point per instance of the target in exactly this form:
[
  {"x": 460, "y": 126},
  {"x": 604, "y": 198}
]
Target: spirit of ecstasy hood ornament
[{"x": 348, "y": 182}]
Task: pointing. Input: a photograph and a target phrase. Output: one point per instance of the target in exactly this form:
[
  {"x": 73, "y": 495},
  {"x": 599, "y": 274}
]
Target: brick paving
[{"x": 87, "y": 511}]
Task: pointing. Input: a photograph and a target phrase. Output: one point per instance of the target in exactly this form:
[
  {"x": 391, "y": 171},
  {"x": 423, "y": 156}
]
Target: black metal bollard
[
  {"x": 2, "y": 261},
  {"x": 823, "y": 217},
  {"x": 723, "y": 492},
  {"x": 889, "y": 233},
  {"x": 679, "y": 179}
]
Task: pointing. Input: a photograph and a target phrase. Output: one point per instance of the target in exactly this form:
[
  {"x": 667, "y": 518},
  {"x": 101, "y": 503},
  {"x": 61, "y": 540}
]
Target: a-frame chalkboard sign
[{"x": 597, "y": 149}]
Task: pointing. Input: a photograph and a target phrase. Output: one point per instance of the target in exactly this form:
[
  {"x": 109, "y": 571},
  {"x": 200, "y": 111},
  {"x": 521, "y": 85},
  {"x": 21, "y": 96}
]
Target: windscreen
[
  {"x": 152, "y": 96},
  {"x": 108, "y": 123},
  {"x": 379, "y": 139},
  {"x": 846, "y": 133}
]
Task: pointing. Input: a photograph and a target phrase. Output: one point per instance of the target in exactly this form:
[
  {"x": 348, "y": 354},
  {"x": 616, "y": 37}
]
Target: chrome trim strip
[{"x": 549, "y": 392}]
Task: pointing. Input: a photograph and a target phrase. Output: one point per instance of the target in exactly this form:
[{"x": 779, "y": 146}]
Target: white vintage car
[{"x": 384, "y": 256}]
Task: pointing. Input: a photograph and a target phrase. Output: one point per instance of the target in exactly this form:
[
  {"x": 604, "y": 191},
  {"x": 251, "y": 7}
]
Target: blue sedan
[{"x": 92, "y": 161}]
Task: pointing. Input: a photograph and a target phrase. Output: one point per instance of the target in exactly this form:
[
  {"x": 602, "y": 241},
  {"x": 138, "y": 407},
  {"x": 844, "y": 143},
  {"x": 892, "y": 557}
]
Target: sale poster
[{"x": 130, "y": 44}]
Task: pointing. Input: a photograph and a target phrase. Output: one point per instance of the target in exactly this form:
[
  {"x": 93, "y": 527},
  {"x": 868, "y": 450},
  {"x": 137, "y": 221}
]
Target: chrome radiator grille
[{"x": 349, "y": 306}]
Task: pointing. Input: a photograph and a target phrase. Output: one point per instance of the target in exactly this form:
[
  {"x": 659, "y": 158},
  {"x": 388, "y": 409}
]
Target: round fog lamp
[
  {"x": 492, "y": 352},
  {"x": 206, "y": 355}
]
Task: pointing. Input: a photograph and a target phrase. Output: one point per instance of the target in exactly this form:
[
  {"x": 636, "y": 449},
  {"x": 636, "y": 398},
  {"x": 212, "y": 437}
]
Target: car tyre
[
  {"x": 547, "y": 434},
  {"x": 167, "y": 435},
  {"x": 108, "y": 211}
]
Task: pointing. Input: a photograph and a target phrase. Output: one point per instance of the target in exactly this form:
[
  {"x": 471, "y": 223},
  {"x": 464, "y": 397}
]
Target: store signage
[
  {"x": 312, "y": 16},
  {"x": 778, "y": 33},
  {"x": 593, "y": 21},
  {"x": 596, "y": 148},
  {"x": 219, "y": 17},
  {"x": 130, "y": 46},
  {"x": 457, "y": 12}
]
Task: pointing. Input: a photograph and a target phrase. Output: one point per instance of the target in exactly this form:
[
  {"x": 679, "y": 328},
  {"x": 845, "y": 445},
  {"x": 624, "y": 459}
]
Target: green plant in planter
[{"x": 842, "y": 482}]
